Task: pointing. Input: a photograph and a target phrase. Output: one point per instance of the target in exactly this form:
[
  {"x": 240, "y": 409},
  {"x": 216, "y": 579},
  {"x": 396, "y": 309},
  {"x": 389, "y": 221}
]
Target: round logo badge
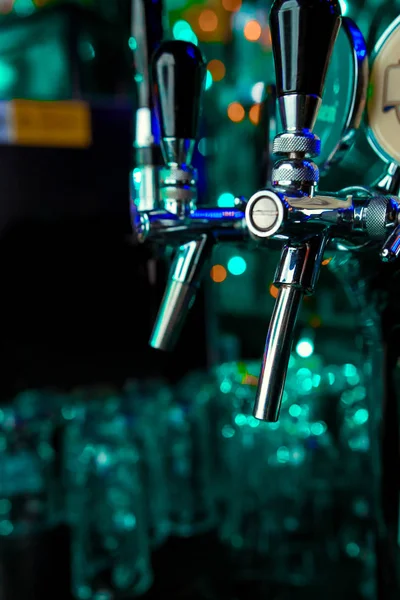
[
  {"x": 264, "y": 214},
  {"x": 384, "y": 96}
]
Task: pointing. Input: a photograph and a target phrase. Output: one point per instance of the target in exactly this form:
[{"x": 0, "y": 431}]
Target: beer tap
[
  {"x": 179, "y": 72},
  {"x": 147, "y": 31},
  {"x": 303, "y": 36}
]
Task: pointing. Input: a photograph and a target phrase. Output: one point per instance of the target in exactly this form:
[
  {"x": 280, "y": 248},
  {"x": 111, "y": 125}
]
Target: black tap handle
[
  {"x": 303, "y": 35},
  {"x": 179, "y": 73}
]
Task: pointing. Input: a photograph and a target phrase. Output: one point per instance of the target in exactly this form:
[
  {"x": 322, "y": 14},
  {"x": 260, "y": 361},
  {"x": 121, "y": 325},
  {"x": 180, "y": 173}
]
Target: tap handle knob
[
  {"x": 179, "y": 73},
  {"x": 303, "y": 36}
]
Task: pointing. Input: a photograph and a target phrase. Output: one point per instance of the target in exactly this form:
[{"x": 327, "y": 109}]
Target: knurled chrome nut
[
  {"x": 306, "y": 143},
  {"x": 376, "y": 217},
  {"x": 185, "y": 194},
  {"x": 177, "y": 175},
  {"x": 297, "y": 171}
]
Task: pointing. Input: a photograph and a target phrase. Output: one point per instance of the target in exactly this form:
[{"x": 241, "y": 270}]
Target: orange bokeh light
[
  {"x": 266, "y": 39},
  {"x": 6, "y": 6},
  {"x": 315, "y": 322},
  {"x": 250, "y": 380},
  {"x": 273, "y": 290},
  {"x": 255, "y": 114},
  {"x": 236, "y": 112},
  {"x": 326, "y": 261},
  {"x": 218, "y": 273},
  {"x": 232, "y": 5},
  {"x": 217, "y": 69},
  {"x": 252, "y": 31},
  {"x": 208, "y": 20}
]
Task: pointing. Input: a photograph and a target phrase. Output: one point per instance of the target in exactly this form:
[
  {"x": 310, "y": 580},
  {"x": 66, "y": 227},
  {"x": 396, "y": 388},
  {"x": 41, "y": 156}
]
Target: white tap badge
[
  {"x": 384, "y": 96},
  {"x": 391, "y": 93}
]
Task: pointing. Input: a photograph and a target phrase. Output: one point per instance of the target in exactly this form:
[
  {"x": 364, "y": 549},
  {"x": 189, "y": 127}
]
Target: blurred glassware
[
  {"x": 277, "y": 486},
  {"x": 189, "y": 463},
  {"x": 146, "y": 406},
  {"x": 110, "y": 550},
  {"x": 30, "y": 489},
  {"x": 273, "y": 503}
]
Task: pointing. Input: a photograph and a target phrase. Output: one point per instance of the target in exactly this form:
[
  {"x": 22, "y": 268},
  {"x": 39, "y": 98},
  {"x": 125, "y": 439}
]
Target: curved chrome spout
[
  {"x": 297, "y": 275},
  {"x": 183, "y": 283},
  {"x": 277, "y": 353}
]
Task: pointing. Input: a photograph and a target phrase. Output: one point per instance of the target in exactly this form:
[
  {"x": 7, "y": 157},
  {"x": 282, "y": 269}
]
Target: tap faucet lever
[
  {"x": 303, "y": 36},
  {"x": 179, "y": 72}
]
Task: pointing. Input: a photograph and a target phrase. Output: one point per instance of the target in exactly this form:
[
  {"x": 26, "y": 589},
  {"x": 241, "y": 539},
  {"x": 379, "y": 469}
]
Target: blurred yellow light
[
  {"x": 218, "y": 273},
  {"x": 255, "y": 113},
  {"x": 236, "y": 112},
  {"x": 232, "y": 5},
  {"x": 252, "y": 31},
  {"x": 326, "y": 261},
  {"x": 208, "y": 20},
  {"x": 273, "y": 290},
  {"x": 217, "y": 69}
]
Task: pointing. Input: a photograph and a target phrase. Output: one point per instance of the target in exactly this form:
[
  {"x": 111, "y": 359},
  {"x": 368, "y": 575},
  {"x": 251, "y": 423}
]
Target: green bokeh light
[
  {"x": 181, "y": 27},
  {"x": 361, "y": 416},
  {"x": 226, "y": 386},
  {"x": 24, "y": 7},
  {"x": 209, "y": 80},
  {"x": 226, "y": 200},
  {"x": 353, "y": 549},
  {"x": 132, "y": 43},
  {"x": 237, "y": 265},
  {"x": 305, "y": 348},
  {"x": 183, "y": 31},
  {"x": 228, "y": 431},
  {"x": 318, "y": 428},
  {"x": 6, "y": 527},
  {"x": 295, "y": 410}
]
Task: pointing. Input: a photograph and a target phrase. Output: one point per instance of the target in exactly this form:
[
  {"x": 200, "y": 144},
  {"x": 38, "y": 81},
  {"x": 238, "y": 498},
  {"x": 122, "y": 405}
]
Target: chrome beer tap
[
  {"x": 303, "y": 36},
  {"x": 179, "y": 72},
  {"x": 147, "y": 31}
]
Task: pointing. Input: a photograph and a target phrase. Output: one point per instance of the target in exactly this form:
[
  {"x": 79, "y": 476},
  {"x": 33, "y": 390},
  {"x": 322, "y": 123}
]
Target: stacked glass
[
  {"x": 30, "y": 491},
  {"x": 292, "y": 501},
  {"x": 136, "y": 470},
  {"x": 106, "y": 506}
]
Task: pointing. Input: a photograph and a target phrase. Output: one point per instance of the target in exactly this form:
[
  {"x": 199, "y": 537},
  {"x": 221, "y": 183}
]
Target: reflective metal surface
[
  {"x": 297, "y": 275},
  {"x": 183, "y": 282},
  {"x": 178, "y": 151},
  {"x": 276, "y": 354},
  {"x": 299, "y": 112}
]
